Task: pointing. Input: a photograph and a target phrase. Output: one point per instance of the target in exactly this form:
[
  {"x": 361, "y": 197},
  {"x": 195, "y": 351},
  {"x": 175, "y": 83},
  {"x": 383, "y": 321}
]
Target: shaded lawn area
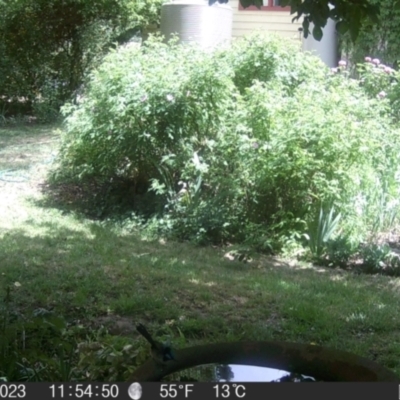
[{"x": 98, "y": 274}]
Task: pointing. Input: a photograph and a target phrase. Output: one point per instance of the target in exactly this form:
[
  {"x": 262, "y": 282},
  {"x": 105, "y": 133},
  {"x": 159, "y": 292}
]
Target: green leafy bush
[
  {"x": 327, "y": 142},
  {"x": 339, "y": 252},
  {"x": 264, "y": 58},
  {"x": 236, "y": 145},
  {"x": 381, "y": 81},
  {"x": 140, "y": 107},
  {"x": 375, "y": 257}
]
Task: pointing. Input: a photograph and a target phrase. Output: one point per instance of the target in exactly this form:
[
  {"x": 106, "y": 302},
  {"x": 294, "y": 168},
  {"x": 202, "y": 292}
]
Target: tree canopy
[
  {"x": 380, "y": 40},
  {"x": 349, "y": 14},
  {"x": 47, "y": 46}
]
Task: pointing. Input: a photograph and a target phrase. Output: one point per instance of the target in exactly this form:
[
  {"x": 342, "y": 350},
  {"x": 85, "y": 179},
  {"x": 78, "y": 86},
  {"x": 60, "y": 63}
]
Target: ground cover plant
[{"x": 171, "y": 145}]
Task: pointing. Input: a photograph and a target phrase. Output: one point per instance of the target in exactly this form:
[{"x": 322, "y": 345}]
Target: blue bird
[{"x": 160, "y": 352}]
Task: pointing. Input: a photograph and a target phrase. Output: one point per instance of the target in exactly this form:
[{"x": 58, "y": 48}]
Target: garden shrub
[
  {"x": 380, "y": 80},
  {"x": 145, "y": 109},
  {"x": 236, "y": 155},
  {"x": 325, "y": 143},
  {"x": 265, "y": 58}
]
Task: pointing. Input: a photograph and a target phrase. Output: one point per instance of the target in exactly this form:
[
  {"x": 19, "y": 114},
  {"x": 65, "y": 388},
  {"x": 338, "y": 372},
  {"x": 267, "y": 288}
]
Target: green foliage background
[
  {"x": 379, "y": 39},
  {"x": 47, "y": 47}
]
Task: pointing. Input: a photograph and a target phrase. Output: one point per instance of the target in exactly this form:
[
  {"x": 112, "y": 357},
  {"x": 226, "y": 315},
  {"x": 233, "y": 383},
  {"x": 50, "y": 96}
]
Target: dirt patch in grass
[{"x": 116, "y": 325}]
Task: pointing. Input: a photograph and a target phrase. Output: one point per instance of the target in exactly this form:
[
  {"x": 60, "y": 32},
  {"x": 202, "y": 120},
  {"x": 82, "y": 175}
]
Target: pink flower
[
  {"x": 368, "y": 59},
  {"x": 381, "y": 94},
  {"x": 383, "y": 66},
  {"x": 389, "y": 70},
  {"x": 342, "y": 63},
  {"x": 376, "y": 61},
  {"x": 143, "y": 98},
  {"x": 334, "y": 70}
]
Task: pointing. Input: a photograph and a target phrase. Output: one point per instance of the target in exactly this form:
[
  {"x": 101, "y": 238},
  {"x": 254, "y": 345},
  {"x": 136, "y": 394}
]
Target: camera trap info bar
[{"x": 199, "y": 391}]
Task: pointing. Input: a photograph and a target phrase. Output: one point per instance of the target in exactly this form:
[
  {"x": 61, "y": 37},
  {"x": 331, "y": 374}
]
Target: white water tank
[
  {"x": 196, "y": 21},
  {"x": 327, "y": 48}
]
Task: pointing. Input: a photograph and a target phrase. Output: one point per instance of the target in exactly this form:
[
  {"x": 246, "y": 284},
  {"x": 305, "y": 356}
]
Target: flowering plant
[
  {"x": 378, "y": 81},
  {"x": 376, "y": 78}
]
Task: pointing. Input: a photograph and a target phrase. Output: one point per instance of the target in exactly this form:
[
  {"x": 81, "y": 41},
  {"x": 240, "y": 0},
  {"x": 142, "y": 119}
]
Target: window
[{"x": 269, "y": 5}]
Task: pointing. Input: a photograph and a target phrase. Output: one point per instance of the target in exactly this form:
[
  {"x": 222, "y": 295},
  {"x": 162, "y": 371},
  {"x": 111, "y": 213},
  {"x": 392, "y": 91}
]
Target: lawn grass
[{"x": 95, "y": 274}]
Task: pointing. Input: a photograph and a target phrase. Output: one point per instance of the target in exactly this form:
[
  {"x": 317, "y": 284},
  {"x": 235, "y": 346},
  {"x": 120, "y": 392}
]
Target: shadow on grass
[
  {"x": 94, "y": 275},
  {"x": 100, "y": 199}
]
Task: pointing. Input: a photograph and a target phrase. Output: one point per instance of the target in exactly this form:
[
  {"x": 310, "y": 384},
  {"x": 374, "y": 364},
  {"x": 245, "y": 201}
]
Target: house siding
[{"x": 280, "y": 22}]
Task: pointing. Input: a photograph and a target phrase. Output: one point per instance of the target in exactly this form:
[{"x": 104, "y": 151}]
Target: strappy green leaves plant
[{"x": 321, "y": 229}]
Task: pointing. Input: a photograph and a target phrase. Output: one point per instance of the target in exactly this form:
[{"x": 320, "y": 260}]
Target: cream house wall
[{"x": 280, "y": 22}]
